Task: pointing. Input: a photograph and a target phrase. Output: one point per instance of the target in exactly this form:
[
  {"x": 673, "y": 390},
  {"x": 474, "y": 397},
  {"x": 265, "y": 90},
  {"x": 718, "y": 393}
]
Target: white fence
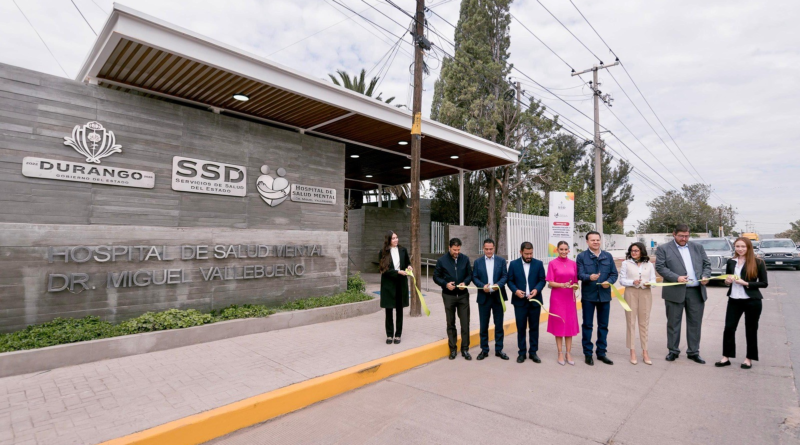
[
  {"x": 531, "y": 228},
  {"x": 438, "y": 243},
  {"x": 483, "y": 233}
]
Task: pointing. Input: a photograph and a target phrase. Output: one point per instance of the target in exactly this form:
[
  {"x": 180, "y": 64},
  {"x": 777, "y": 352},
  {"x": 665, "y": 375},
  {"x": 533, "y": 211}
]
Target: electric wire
[{"x": 40, "y": 38}]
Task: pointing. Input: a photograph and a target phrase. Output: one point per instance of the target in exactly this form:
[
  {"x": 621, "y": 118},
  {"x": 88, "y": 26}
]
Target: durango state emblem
[{"x": 93, "y": 141}]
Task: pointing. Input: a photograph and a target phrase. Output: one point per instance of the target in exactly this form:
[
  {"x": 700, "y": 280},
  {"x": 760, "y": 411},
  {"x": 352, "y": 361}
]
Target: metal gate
[{"x": 521, "y": 228}]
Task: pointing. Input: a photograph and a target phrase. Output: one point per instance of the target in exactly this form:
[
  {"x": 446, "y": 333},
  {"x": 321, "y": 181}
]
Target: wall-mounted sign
[
  {"x": 215, "y": 178},
  {"x": 313, "y": 194},
  {"x": 272, "y": 190},
  {"x": 95, "y": 143},
  {"x": 79, "y": 172}
]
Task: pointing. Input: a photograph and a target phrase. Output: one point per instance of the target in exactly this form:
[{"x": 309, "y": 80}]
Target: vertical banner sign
[{"x": 562, "y": 221}]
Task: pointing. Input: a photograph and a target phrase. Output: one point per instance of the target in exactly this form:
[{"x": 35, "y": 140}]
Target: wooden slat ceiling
[{"x": 142, "y": 67}]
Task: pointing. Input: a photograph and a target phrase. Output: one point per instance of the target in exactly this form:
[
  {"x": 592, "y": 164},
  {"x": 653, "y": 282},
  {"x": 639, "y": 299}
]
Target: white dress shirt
[
  {"x": 737, "y": 290},
  {"x": 527, "y": 268},
  {"x": 647, "y": 274},
  {"x": 687, "y": 262},
  {"x": 490, "y": 270},
  {"x": 395, "y": 257}
]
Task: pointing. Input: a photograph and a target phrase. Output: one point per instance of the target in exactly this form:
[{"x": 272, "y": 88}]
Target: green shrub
[
  {"x": 244, "y": 311},
  {"x": 71, "y": 330},
  {"x": 160, "y": 321},
  {"x": 355, "y": 283},
  {"x": 333, "y": 300},
  {"x": 57, "y": 332}
]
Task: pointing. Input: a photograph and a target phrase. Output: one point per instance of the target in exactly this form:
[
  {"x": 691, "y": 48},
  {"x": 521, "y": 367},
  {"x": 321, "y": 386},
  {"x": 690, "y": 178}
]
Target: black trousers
[
  {"x": 391, "y": 331},
  {"x": 457, "y": 305},
  {"x": 751, "y": 308}
]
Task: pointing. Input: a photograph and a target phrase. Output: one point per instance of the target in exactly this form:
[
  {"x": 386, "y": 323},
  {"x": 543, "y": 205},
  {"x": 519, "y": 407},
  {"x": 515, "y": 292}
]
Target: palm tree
[{"x": 358, "y": 84}]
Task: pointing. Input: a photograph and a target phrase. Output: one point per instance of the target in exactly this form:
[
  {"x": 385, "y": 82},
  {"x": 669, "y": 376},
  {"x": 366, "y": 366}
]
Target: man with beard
[
  {"x": 526, "y": 279},
  {"x": 683, "y": 262},
  {"x": 452, "y": 274}
]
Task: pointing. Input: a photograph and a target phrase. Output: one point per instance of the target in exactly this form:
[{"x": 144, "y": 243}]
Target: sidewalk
[
  {"x": 497, "y": 401},
  {"x": 99, "y": 401}
]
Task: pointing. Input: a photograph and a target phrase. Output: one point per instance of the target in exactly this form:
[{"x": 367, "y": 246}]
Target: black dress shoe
[
  {"x": 535, "y": 358},
  {"x": 720, "y": 364},
  {"x": 745, "y": 366},
  {"x": 605, "y": 360},
  {"x": 696, "y": 359},
  {"x": 466, "y": 355},
  {"x": 521, "y": 359},
  {"x": 483, "y": 355},
  {"x": 389, "y": 341},
  {"x": 452, "y": 355},
  {"x": 589, "y": 360},
  {"x": 671, "y": 357},
  {"x": 501, "y": 354},
  {"x": 397, "y": 340}
]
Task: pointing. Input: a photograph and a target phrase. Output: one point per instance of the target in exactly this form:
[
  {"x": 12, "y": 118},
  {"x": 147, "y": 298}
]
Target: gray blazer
[{"x": 669, "y": 264}]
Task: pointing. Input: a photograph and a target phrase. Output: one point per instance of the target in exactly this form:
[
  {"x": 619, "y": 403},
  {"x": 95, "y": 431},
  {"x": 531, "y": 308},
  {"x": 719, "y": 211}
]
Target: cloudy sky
[{"x": 721, "y": 75}]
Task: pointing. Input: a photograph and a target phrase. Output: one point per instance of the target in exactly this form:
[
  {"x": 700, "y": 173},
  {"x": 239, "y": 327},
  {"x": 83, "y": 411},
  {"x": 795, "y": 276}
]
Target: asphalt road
[{"x": 497, "y": 401}]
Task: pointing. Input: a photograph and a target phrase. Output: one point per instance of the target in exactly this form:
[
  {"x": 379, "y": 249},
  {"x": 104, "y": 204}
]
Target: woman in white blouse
[
  {"x": 744, "y": 298},
  {"x": 635, "y": 274}
]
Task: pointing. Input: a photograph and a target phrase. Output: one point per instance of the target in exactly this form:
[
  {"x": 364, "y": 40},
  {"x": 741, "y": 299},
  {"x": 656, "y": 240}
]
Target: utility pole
[
  {"x": 416, "y": 147},
  {"x": 519, "y": 173},
  {"x": 720, "y": 222},
  {"x": 598, "y": 143}
]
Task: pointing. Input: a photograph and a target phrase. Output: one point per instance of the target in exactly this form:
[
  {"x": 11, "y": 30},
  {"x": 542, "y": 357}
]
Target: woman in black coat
[
  {"x": 744, "y": 297},
  {"x": 394, "y": 285}
]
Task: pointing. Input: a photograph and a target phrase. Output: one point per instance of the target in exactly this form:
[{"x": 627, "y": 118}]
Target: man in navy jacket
[
  {"x": 489, "y": 297},
  {"x": 526, "y": 279},
  {"x": 595, "y": 266}
]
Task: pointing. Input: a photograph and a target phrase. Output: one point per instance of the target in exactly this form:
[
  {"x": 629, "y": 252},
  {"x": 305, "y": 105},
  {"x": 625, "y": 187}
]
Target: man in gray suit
[{"x": 683, "y": 262}]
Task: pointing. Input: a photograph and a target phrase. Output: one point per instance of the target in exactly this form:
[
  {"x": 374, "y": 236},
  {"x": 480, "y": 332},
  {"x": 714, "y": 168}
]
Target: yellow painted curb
[{"x": 202, "y": 427}]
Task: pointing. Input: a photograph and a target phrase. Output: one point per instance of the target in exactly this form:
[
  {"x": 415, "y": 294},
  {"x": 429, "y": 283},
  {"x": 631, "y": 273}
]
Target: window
[
  {"x": 778, "y": 244},
  {"x": 714, "y": 244}
]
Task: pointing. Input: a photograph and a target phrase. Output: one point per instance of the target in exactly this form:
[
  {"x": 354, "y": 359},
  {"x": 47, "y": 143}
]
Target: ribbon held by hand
[
  {"x": 720, "y": 277},
  {"x": 618, "y": 294},
  {"x": 494, "y": 286},
  {"x": 410, "y": 273}
]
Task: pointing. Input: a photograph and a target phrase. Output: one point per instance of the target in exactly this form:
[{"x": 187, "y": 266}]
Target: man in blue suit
[
  {"x": 526, "y": 279},
  {"x": 595, "y": 266},
  {"x": 489, "y": 297}
]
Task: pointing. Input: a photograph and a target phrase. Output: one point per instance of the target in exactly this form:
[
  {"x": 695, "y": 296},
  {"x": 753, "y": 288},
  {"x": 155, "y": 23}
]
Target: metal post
[
  {"x": 519, "y": 172},
  {"x": 380, "y": 196},
  {"x": 416, "y": 149},
  {"x": 598, "y": 143},
  {"x": 461, "y": 197},
  {"x": 598, "y": 184}
]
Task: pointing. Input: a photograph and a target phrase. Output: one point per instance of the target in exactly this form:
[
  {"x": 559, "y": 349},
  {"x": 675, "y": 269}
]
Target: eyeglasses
[{"x": 682, "y": 236}]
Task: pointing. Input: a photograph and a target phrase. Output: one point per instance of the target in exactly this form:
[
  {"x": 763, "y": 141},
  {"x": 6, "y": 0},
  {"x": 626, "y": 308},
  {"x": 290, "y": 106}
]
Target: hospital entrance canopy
[{"x": 138, "y": 52}]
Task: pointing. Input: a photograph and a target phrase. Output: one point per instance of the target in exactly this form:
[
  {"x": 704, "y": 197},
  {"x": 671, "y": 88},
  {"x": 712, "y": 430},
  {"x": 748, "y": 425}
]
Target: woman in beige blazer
[{"x": 634, "y": 273}]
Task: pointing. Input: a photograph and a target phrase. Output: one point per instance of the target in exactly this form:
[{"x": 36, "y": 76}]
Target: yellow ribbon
[
  {"x": 494, "y": 286},
  {"x": 617, "y": 293},
  {"x": 721, "y": 277},
  {"x": 543, "y": 308},
  {"x": 410, "y": 273}
]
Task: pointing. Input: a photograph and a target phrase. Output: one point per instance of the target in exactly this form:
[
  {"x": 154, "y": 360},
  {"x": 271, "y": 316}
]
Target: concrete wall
[
  {"x": 468, "y": 236},
  {"x": 365, "y": 243},
  {"x": 37, "y": 111}
]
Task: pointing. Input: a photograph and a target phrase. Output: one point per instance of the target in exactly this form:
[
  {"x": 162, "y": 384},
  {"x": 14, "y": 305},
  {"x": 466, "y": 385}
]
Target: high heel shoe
[
  {"x": 571, "y": 363},
  {"x": 561, "y": 362}
]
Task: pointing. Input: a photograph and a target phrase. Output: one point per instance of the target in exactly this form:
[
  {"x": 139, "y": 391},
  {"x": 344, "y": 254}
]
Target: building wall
[
  {"x": 37, "y": 111},
  {"x": 365, "y": 244}
]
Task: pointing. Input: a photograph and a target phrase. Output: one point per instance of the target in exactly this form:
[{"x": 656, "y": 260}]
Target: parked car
[
  {"x": 780, "y": 252},
  {"x": 719, "y": 251},
  {"x": 756, "y": 244}
]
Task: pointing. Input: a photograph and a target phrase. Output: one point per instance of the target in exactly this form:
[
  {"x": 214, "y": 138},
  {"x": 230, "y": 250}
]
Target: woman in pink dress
[{"x": 562, "y": 274}]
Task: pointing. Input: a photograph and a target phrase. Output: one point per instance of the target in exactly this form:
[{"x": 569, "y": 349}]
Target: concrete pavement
[{"x": 496, "y": 401}]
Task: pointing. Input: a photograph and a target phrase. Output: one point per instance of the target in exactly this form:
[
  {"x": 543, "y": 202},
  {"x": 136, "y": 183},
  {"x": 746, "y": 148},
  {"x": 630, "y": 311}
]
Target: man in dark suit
[
  {"x": 683, "y": 262},
  {"x": 452, "y": 273},
  {"x": 490, "y": 270},
  {"x": 526, "y": 279}
]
